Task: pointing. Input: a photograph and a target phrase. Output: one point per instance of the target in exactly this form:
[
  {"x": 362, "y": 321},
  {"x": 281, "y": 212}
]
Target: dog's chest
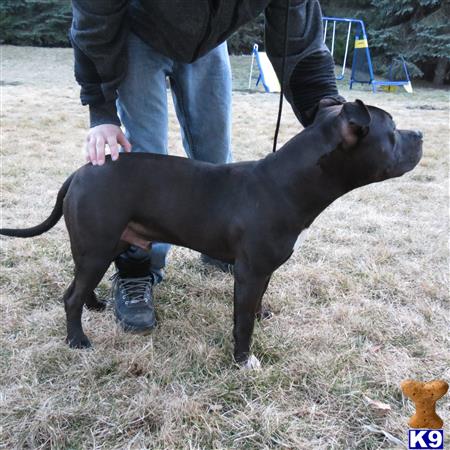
[{"x": 301, "y": 238}]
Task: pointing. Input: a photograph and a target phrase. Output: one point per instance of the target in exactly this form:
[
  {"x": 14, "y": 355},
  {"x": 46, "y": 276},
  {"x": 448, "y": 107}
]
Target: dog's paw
[
  {"x": 93, "y": 304},
  {"x": 264, "y": 314},
  {"x": 99, "y": 306},
  {"x": 252, "y": 363},
  {"x": 78, "y": 342}
]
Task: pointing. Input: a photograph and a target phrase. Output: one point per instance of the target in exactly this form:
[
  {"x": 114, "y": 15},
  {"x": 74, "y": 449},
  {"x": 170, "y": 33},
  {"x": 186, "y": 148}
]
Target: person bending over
[{"x": 125, "y": 50}]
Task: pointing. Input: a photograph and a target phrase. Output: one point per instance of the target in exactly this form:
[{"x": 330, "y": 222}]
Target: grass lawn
[{"x": 362, "y": 306}]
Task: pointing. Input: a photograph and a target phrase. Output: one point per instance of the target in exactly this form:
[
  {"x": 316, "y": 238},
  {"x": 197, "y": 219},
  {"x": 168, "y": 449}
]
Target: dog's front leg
[{"x": 248, "y": 291}]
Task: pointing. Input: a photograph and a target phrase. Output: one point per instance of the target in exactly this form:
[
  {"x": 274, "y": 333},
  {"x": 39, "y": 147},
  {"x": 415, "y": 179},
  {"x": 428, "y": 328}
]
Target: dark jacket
[{"x": 185, "y": 30}]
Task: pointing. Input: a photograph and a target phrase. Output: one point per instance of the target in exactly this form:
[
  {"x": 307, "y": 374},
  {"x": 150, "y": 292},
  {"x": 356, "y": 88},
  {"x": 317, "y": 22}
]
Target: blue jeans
[{"x": 201, "y": 93}]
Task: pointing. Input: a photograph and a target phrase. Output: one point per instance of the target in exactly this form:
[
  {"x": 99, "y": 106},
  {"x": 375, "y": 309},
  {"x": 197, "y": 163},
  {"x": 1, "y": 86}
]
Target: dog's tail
[{"x": 48, "y": 223}]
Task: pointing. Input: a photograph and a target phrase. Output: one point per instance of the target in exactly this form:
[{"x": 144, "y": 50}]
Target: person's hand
[{"x": 102, "y": 135}]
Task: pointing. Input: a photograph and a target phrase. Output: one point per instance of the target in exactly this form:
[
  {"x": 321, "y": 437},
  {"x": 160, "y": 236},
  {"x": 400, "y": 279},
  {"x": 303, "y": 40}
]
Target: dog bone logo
[{"x": 425, "y": 396}]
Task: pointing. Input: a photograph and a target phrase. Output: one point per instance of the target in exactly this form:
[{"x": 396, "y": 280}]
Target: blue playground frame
[{"x": 361, "y": 42}]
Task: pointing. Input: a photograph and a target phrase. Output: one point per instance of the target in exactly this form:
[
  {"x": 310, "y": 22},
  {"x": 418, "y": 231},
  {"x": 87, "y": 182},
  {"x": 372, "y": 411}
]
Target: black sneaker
[
  {"x": 217, "y": 264},
  {"x": 133, "y": 303}
]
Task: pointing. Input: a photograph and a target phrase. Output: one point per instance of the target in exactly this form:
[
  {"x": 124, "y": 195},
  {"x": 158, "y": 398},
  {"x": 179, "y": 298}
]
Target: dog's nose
[{"x": 419, "y": 134}]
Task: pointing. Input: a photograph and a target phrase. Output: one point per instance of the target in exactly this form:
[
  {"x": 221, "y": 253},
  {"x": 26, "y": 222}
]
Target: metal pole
[
  {"x": 334, "y": 36},
  {"x": 346, "y": 51},
  {"x": 325, "y": 32},
  {"x": 255, "y": 48}
]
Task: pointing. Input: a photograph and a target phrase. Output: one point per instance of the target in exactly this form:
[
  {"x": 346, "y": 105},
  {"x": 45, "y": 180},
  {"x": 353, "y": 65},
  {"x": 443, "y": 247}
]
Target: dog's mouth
[
  {"x": 409, "y": 151},
  {"x": 407, "y": 162},
  {"x": 418, "y": 155}
]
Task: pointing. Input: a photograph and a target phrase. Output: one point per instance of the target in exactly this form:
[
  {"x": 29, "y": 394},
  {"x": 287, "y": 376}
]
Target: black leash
[{"x": 283, "y": 70}]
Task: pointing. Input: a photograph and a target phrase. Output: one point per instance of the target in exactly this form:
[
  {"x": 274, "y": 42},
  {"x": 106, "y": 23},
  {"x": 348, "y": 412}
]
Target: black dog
[{"x": 249, "y": 213}]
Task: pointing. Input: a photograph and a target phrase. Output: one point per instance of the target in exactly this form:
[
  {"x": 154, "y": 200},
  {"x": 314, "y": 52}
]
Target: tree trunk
[{"x": 440, "y": 72}]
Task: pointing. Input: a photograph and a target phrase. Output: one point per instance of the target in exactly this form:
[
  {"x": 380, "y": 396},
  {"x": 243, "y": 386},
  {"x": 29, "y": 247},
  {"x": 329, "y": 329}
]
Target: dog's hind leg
[
  {"x": 88, "y": 274},
  {"x": 263, "y": 312},
  {"x": 91, "y": 301}
]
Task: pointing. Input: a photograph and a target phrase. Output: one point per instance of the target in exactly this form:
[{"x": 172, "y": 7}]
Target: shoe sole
[{"x": 135, "y": 330}]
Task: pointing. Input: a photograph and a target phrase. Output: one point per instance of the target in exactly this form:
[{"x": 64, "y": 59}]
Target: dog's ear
[{"x": 354, "y": 122}]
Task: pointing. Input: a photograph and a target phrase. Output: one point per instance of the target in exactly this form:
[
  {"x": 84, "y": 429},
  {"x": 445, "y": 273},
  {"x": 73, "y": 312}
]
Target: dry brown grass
[{"x": 362, "y": 306}]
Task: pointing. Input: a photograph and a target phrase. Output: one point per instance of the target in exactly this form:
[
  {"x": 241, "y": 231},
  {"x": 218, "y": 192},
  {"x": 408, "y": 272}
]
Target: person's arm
[
  {"x": 309, "y": 74},
  {"x": 98, "y": 36}
]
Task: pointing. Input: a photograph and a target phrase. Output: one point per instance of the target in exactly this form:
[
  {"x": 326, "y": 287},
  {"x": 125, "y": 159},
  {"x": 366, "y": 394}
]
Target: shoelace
[{"x": 134, "y": 288}]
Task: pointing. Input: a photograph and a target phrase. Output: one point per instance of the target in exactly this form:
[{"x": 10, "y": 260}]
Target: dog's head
[{"x": 369, "y": 146}]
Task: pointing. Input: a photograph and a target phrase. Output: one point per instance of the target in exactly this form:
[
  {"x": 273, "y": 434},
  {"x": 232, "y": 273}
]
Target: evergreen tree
[
  {"x": 243, "y": 40},
  {"x": 35, "y": 22},
  {"x": 417, "y": 29}
]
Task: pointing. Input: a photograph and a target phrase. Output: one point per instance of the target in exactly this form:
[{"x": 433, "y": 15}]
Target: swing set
[{"x": 362, "y": 68}]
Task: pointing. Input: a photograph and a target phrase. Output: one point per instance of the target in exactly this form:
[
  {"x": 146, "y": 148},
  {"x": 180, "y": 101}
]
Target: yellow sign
[{"x": 361, "y": 43}]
